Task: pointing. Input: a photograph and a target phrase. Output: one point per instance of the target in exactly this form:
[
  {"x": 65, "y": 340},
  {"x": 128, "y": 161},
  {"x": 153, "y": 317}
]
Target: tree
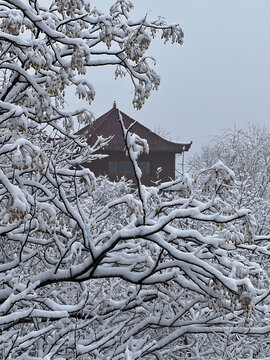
[
  {"x": 90, "y": 269},
  {"x": 247, "y": 152}
]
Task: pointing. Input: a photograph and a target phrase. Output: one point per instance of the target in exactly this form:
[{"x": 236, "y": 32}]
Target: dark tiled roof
[{"x": 108, "y": 125}]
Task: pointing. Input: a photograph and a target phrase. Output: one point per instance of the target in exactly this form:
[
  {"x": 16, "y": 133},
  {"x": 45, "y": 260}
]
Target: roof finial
[{"x": 114, "y": 104}]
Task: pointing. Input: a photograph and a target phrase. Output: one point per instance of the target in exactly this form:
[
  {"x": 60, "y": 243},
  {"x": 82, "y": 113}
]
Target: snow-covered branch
[{"x": 94, "y": 268}]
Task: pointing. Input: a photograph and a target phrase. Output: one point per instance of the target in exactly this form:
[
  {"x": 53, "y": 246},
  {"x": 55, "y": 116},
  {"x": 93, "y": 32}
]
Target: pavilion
[{"x": 159, "y": 164}]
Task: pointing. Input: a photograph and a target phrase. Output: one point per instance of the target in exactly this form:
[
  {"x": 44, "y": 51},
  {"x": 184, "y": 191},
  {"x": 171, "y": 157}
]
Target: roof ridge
[{"x": 102, "y": 119}]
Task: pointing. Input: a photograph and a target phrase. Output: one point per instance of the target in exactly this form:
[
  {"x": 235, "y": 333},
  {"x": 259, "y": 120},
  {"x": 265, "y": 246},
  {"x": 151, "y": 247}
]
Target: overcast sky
[{"x": 219, "y": 78}]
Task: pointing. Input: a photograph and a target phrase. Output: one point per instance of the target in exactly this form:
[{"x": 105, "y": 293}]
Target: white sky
[{"x": 219, "y": 78}]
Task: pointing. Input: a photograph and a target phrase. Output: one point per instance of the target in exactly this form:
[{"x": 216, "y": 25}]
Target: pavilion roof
[{"x": 108, "y": 125}]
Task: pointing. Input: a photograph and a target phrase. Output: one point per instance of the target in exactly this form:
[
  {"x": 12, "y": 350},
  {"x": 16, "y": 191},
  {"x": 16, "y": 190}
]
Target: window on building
[
  {"x": 113, "y": 167},
  {"x": 125, "y": 167},
  {"x": 145, "y": 167}
]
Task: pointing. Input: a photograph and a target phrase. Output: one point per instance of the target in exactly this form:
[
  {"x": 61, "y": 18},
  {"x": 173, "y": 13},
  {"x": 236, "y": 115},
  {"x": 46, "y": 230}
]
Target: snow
[{"x": 100, "y": 269}]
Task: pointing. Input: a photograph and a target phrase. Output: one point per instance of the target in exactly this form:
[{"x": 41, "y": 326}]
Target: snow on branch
[{"x": 94, "y": 268}]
